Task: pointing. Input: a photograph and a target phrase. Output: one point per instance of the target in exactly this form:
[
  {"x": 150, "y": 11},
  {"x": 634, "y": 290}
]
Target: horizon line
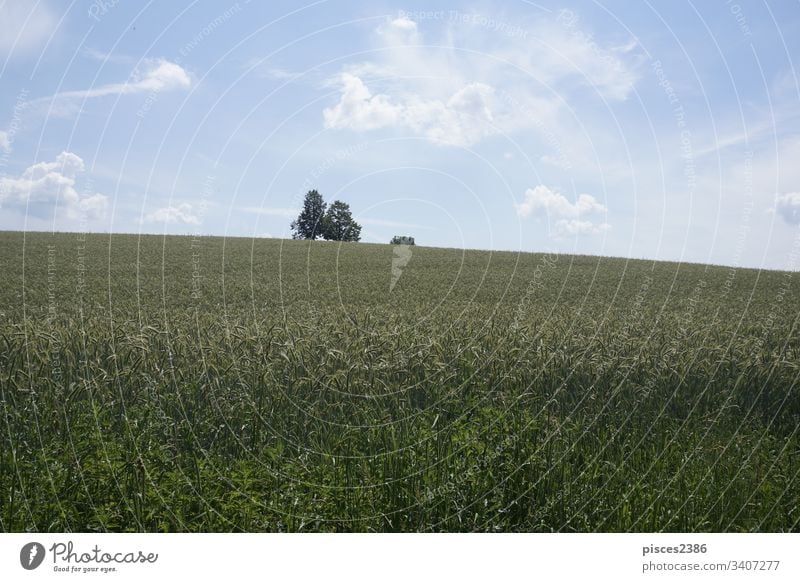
[{"x": 678, "y": 262}]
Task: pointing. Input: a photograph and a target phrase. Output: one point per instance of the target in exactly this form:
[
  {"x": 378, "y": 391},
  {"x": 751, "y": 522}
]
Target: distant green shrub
[{"x": 402, "y": 240}]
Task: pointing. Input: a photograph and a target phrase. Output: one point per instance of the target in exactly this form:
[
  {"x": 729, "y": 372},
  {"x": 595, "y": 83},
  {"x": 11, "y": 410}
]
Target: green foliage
[
  {"x": 402, "y": 240},
  {"x": 310, "y": 222},
  {"x": 339, "y": 225},
  {"x": 215, "y": 384}
]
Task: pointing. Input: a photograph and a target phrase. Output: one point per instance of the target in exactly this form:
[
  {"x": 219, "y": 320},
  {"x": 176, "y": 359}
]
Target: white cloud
[
  {"x": 571, "y": 218},
  {"x": 181, "y": 214},
  {"x": 399, "y": 31},
  {"x": 471, "y": 114},
  {"x": 158, "y": 75},
  {"x": 51, "y": 185},
  {"x": 358, "y": 109},
  {"x": 571, "y": 54},
  {"x": 5, "y": 142},
  {"x": 94, "y": 206},
  {"x": 755, "y": 131},
  {"x": 403, "y": 23},
  {"x": 24, "y": 26},
  {"x": 264, "y": 67},
  {"x": 458, "y": 97},
  {"x": 543, "y": 198},
  {"x": 788, "y": 207}
]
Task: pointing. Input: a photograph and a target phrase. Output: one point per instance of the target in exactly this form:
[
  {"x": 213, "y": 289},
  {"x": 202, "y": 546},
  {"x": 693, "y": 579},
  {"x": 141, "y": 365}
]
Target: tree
[
  {"x": 339, "y": 225},
  {"x": 309, "y": 225},
  {"x": 402, "y": 240}
]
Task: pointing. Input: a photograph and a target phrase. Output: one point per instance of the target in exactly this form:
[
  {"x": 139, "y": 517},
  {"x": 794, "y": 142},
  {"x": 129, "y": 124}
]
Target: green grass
[{"x": 177, "y": 384}]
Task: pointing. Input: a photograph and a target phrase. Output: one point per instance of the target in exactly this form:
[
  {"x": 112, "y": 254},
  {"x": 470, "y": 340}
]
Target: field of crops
[{"x": 208, "y": 384}]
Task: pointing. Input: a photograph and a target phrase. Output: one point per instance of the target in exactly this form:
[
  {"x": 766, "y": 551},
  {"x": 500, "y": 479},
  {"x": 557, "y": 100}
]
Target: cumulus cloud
[
  {"x": 181, "y": 214},
  {"x": 543, "y": 198},
  {"x": 571, "y": 218},
  {"x": 460, "y": 98},
  {"x": 403, "y": 23},
  {"x": 49, "y": 186},
  {"x": 401, "y": 30},
  {"x": 788, "y": 207},
  {"x": 94, "y": 206},
  {"x": 469, "y": 115},
  {"x": 359, "y": 109}
]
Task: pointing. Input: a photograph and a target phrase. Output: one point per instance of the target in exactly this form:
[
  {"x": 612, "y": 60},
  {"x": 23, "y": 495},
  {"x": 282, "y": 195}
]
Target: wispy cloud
[
  {"x": 154, "y": 76},
  {"x": 158, "y": 75},
  {"x": 752, "y": 134},
  {"x": 25, "y": 26},
  {"x": 265, "y": 68}
]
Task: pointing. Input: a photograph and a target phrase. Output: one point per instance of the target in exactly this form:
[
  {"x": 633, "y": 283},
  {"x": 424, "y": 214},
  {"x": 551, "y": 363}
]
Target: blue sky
[{"x": 666, "y": 130}]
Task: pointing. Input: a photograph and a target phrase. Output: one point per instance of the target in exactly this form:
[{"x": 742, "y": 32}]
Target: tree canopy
[
  {"x": 338, "y": 223},
  {"x": 309, "y": 224},
  {"x": 334, "y": 224}
]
